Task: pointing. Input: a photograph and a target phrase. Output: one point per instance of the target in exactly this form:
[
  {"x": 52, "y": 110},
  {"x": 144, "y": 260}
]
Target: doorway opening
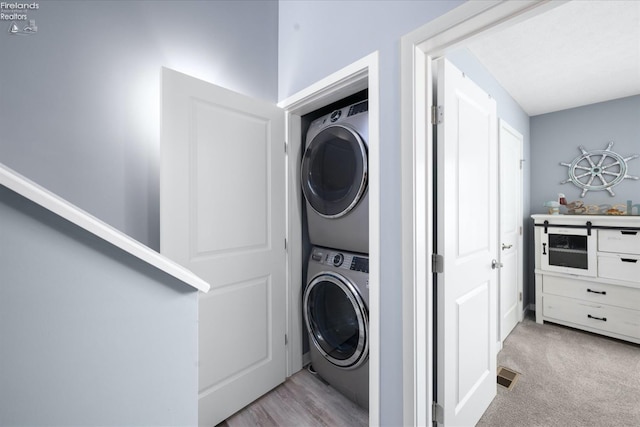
[
  {"x": 351, "y": 83},
  {"x": 418, "y": 50}
]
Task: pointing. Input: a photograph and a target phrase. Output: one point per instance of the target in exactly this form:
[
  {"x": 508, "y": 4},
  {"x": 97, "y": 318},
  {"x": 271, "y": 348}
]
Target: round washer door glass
[
  {"x": 337, "y": 320},
  {"x": 334, "y": 171}
]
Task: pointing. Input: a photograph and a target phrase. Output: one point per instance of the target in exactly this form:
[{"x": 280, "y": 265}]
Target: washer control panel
[
  {"x": 345, "y": 260},
  {"x": 338, "y": 116}
]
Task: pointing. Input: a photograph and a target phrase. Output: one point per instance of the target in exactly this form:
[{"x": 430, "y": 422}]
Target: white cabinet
[{"x": 590, "y": 282}]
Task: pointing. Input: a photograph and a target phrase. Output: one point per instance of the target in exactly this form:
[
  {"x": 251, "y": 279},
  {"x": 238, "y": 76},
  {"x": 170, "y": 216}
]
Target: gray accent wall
[
  {"x": 317, "y": 38},
  {"x": 79, "y": 100},
  {"x": 89, "y": 334},
  {"x": 555, "y": 138}
]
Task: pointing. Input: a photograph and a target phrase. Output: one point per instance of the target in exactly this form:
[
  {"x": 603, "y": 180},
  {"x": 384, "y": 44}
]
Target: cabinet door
[{"x": 567, "y": 250}]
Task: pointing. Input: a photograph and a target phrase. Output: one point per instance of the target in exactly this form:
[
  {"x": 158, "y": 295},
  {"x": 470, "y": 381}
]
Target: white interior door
[
  {"x": 467, "y": 234},
  {"x": 511, "y": 145},
  {"x": 223, "y": 217}
]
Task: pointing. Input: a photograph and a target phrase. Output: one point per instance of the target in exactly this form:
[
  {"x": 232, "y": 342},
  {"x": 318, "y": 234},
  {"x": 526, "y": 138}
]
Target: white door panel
[
  {"x": 231, "y": 145},
  {"x": 473, "y": 327},
  {"x": 223, "y": 216},
  {"x": 509, "y": 294},
  {"x": 511, "y": 146},
  {"x": 467, "y": 233}
]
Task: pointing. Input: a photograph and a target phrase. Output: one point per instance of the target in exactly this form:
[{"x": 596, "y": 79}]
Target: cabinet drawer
[
  {"x": 619, "y": 296},
  {"x": 603, "y": 317},
  {"x": 619, "y": 266},
  {"x": 626, "y": 242}
]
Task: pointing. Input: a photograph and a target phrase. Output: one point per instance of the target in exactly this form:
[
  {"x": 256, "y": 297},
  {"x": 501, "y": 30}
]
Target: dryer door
[
  {"x": 337, "y": 320},
  {"x": 334, "y": 171}
]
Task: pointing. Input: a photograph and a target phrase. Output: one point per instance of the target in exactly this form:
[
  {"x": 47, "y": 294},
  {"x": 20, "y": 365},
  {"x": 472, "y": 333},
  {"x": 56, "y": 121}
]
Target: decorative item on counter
[
  {"x": 553, "y": 207},
  {"x": 576, "y": 208},
  {"x": 598, "y": 170},
  {"x": 617, "y": 210},
  {"x": 562, "y": 199}
]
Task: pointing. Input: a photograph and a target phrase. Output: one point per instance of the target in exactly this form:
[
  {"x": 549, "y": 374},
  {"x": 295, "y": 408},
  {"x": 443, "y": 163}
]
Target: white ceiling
[{"x": 579, "y": 53}]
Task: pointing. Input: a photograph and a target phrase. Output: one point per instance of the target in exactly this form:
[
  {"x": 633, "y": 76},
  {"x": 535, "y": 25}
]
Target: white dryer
[
  {"x": 334, "y": 179},
  {"x": 336, "y": 313}
]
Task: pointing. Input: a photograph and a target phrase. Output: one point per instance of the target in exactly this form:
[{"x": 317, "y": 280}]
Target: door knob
[
  {"x": 495, "y": 264},
  {"x": 506, "y": 246}
]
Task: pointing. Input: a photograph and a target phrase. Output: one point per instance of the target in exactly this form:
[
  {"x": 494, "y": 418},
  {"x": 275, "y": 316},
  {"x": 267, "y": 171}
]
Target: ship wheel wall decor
[{"x": 598, "y": 170}]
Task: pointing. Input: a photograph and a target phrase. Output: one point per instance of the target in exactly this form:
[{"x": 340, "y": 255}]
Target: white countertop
[{"x": 596, "y": 220}]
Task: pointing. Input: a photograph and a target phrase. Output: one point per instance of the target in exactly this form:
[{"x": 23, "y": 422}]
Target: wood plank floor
[{"x": 302, "y": 400}]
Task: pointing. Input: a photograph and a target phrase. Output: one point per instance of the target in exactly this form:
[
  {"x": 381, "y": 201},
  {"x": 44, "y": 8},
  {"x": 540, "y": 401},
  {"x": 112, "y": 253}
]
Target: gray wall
[
  {"x": 79, "y": 100},
  {"x": 89, "y": 335},
  {"x": 555, "y": 138},
  {"x": 318, "y": 38}
]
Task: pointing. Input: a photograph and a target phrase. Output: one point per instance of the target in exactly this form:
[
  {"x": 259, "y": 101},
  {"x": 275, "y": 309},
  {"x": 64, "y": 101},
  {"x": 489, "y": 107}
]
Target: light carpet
[{"x": 568, "y": 378}]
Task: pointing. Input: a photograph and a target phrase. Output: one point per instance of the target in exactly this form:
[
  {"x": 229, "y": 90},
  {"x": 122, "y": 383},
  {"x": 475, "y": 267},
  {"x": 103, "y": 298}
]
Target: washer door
[
  {"x": 334, "y": 171},
  {"x": 337, "y": 320}
]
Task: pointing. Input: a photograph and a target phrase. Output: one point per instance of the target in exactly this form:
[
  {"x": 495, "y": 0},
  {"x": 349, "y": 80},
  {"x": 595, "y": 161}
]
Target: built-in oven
[{"x": 569, "y": 250}]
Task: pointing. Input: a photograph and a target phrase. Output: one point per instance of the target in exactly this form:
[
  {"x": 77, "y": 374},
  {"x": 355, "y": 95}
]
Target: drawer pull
[
  {"x": 629, "y": 233},
  {"x": 597, "y": 292},
  {"x": 604, "y": 319},
  {"x": 629, "y": 260}
]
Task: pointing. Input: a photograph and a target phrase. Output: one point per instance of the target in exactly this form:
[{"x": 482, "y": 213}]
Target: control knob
[{"x": 338, "y": 259}]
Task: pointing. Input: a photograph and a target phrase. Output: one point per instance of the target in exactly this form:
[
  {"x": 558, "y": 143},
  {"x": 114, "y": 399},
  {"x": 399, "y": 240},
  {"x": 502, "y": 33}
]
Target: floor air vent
[{"x": 507, "y": 378}]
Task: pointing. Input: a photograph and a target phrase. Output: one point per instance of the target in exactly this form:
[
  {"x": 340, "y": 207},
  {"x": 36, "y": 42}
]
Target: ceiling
[{"x": 579, "y": 53}]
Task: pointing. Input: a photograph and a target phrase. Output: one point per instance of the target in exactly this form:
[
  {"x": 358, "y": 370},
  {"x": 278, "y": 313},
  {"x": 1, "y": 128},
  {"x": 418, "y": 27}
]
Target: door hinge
[
  {"x": 520, "y": 296},
  {"x": 437, "y": 413},
  {"x": 437, "y": 114},
  {"x": 285, "y": 146},
  {"x": 521, "y": 230},
  {"x": 286, "y": 339},
  {"x": 437, "y": 263},
  {"x": 285, "y": 244}
]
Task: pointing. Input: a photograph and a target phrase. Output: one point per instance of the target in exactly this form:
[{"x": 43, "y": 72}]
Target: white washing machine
[
  {"x": 336, "y": 313},
  {"x": 334, "y": 179}
]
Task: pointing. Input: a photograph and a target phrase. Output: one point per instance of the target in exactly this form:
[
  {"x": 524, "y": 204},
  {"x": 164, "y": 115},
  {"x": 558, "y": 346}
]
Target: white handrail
[{"x": 48, "y": 200}]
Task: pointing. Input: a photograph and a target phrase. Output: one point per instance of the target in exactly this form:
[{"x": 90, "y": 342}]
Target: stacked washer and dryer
[{"x": 336, "y": 297}]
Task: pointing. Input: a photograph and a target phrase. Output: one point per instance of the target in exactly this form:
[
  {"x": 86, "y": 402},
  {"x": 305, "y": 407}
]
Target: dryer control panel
[{"x": 345, "y": 260}]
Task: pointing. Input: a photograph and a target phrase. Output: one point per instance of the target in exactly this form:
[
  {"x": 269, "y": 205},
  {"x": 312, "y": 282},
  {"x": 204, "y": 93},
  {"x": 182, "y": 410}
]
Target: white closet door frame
[
  {"x": 362, "y": 74},
  {"x": 418, "y": 48}
]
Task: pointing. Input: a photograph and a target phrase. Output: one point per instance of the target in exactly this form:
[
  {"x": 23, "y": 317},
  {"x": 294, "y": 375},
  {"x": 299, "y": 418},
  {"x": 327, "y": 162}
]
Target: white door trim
[
  {"x": 359, "y": 75},
  {"x": 418, "y": 48}
]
